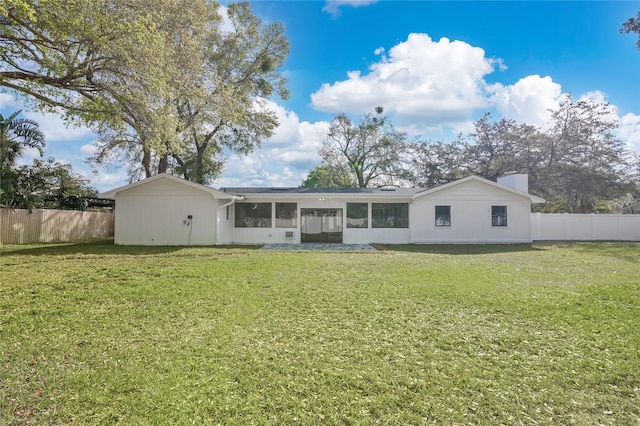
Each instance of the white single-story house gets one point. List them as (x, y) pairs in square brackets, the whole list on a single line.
[(167, 210)]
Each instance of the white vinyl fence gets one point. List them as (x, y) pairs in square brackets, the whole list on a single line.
[(586, 227), (18, 226)]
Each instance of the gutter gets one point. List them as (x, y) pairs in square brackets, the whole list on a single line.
[(234, 198)]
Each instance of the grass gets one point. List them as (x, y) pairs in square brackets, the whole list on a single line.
[(475, 335)]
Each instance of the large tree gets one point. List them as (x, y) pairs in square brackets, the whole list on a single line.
[(47, 185), (632, 25), (117, 64), (90, 56), (496, 148), (434, 163), (241, 69), (326, 176), (221, 108), (583, 161), (574, 161), (370, 148)]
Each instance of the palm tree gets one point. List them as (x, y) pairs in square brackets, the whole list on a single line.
[(17, 134)]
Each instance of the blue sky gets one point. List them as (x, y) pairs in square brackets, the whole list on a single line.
[(434, 66)]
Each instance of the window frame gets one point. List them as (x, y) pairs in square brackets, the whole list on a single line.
[(393, 221), (350, 207), (256, 221), (293, 220), (446, 222), (497, 217)]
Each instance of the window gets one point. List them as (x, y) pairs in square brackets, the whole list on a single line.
[(498, 215), (357, 215), (253, 215), (286, 215), (390, 215), (227, 213), (443, 216)]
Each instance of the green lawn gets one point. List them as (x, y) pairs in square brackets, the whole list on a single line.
[(443, 335)]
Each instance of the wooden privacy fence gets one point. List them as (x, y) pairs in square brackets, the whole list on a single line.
[(585, 227), (18, 226)]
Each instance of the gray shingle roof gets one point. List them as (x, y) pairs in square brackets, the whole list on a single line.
[(267, 190)]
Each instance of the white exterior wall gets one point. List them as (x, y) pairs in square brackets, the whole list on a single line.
[(470, 203), (585, 227), (224, 215), (349, 236), (154, 214), (381, 235)]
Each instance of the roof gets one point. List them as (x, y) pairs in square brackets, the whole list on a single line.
[(111, 194), (401, 192), (531, 197), (390, 192)]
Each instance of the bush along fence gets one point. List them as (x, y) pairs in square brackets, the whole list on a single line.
[(585, 227), (19, 226)]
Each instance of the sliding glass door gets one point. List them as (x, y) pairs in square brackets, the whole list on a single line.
[(321, 225)]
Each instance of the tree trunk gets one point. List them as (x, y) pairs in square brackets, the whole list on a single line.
[(146, 162), (163, 164), (198, 175)]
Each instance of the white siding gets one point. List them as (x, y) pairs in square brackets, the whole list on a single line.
[(471, 204), (225, 223), (155, 214)]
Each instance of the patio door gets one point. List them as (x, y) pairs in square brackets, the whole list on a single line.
[(321, 225)]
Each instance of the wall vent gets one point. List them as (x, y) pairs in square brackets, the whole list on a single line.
[(288, 234)]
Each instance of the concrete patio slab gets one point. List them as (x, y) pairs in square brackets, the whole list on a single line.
[(319, 247)]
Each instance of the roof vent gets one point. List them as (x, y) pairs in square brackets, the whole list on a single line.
[(388, 189)]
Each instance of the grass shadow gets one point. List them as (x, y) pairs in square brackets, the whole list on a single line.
[(457, 249), (628, 251), (103, 247)]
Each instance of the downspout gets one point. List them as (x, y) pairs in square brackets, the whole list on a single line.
[(234, 198)]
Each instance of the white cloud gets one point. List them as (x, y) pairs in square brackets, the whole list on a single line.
[(333, 6), (528, 100), (53, 126), (105, 181), (55, 129), (226, 25), (27, 156), (283, 160), (420, 81), (629, 131), (599, 97), (88, 149), (7, 100), (596, 96)]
